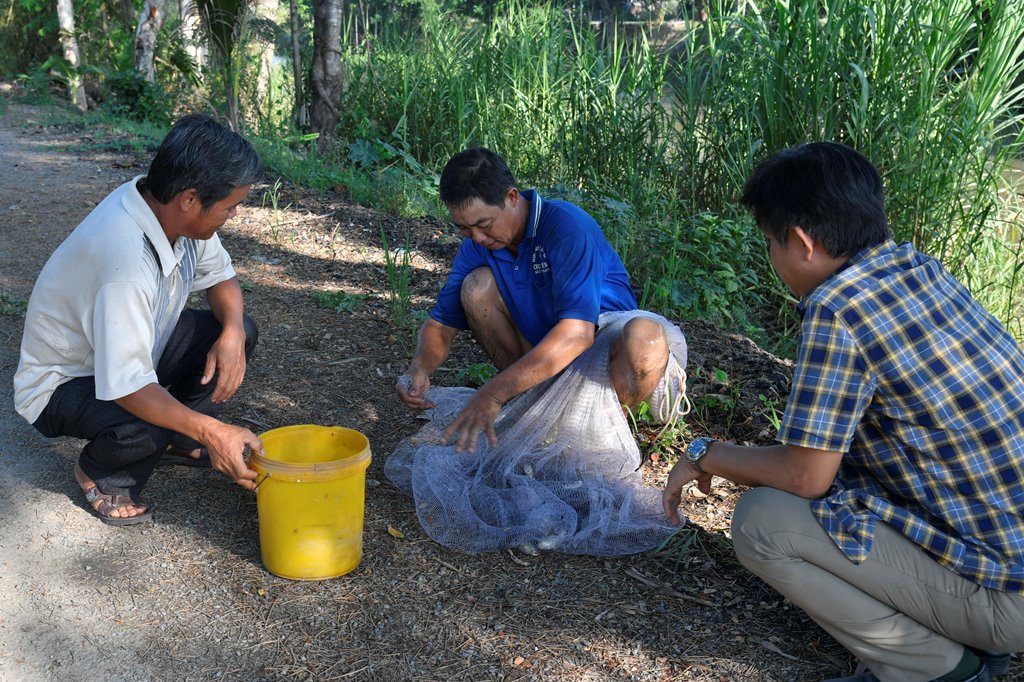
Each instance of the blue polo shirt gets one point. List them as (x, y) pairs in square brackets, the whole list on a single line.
[(565, 270)]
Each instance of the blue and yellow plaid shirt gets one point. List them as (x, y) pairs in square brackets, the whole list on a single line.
[(901, 369)]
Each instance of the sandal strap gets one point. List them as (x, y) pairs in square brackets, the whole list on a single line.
[(109, 503)]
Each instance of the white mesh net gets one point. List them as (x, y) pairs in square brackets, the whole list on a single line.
[(563, 475)]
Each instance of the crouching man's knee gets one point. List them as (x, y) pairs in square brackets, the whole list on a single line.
[(252, 334), (479, 290), (760, 515), (638, 359)]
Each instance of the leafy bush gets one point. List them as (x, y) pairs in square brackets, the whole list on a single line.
[(136, 98)]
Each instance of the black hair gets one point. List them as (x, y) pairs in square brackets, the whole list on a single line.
[(476, 173), (201, 154), (828, 189)]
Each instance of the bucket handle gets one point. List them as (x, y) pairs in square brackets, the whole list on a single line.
[(246, 453)]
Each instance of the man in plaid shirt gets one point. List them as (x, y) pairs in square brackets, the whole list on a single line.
[(892, 511)]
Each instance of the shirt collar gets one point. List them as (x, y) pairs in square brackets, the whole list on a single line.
[(143, 215), (865, 255), (533, 221)]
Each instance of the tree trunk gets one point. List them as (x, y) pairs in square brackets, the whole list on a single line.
[(127, 14), (150, 21), (191, 32), (326, 75), (66, 20), (264, 56), (299, 112)]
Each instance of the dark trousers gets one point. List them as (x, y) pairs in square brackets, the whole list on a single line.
[(123, 450)]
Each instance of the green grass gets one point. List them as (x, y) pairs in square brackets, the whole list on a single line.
[(106, 132), (338, 301)]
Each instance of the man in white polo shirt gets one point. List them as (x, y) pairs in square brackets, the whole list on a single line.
[(109, 352)]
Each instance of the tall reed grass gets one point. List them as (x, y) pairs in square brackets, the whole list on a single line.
[(657, 138)]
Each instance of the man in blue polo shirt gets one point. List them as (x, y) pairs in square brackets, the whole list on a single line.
[(531, 280), (891, 510)]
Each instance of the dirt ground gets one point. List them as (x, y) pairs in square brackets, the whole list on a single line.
[(187, 598)]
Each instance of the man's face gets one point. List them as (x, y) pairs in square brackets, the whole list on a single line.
[(785, 259), (492, 227), (202, 224), (802, 262)]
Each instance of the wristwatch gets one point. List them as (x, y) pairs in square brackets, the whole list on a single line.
[(696, 450)]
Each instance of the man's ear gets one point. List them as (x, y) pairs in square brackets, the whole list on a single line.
[(808, 244), (188, 199), (512, 197)]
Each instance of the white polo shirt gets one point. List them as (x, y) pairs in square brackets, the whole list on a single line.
[(107, 300)]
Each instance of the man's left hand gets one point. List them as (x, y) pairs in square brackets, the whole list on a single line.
[(682, 473), (476, 417), (226, 360)]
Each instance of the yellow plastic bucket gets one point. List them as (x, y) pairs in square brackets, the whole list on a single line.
[(310, 500)]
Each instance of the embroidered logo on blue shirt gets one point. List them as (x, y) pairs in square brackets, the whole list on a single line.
[(541, 267)]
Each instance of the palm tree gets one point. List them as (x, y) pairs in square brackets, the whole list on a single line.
[(225, 21)]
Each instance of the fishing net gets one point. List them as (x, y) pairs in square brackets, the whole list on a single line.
[(563, 476)]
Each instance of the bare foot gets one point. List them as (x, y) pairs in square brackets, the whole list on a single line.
[(123, 511), (196, 454)]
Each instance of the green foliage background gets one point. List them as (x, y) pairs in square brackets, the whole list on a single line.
[(651, 127)]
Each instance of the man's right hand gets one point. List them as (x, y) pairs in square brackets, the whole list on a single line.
[(226, 444), (412, 388)]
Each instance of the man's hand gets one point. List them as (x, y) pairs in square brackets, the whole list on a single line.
[(226, 359), (412, 388), (682, 473), (476, 417), (226, 444)]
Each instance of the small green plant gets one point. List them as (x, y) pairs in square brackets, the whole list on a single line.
[(712, 547), (273, 195), (12, 305), (477, 374), (677, 546), (338, 301), (721, 397), (655, 440), (245, 285), (399, 297), (771, 410)]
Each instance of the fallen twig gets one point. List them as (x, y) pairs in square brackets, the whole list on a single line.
[(665, 589)]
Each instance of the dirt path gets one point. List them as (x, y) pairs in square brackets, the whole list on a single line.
[(187, 598)]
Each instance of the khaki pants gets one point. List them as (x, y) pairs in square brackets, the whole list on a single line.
[(902, 614)]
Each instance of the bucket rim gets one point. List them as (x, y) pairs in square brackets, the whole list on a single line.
[(353, 461)]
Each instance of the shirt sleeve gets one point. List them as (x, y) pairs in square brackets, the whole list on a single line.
[(213, 264), (832, 385), (448, 309), (577, 273), (122, 340)]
